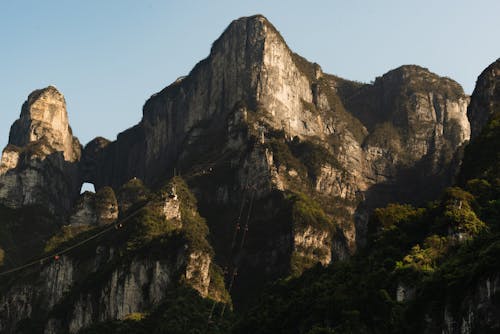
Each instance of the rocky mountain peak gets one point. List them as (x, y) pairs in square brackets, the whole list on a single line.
[(44, 118), (38, 166), (420, 78), (412, 97), (247, 28), (485, 99), (255, 139)]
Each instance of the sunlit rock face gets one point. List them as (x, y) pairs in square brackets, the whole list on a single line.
[(418, 126), (248, 126), (135, 286), (397, 139), (44, 117), (39, 164)]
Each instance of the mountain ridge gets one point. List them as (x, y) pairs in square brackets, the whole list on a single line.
[(271, 154)]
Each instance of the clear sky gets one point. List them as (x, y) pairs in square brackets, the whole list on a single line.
[(108, 56)]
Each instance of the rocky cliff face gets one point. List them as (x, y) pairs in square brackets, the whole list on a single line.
[(286, 163), (485, 98), (129, 270), (477, 312), (418, 125), (91, 209), (44, 116), (39, 166), (69, 295), (241, 108)]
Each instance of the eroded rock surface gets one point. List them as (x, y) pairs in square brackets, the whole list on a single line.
[(39, 165), (485, 98), (251, 126), (238, 120)]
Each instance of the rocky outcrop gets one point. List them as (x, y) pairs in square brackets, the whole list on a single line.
[(476, 312), (198, 272), (126, 270), (405, 292), (131, 193), (39, 164), (414, 116), (172, 206), (44, 116), (250, 125), (485, 99), (106, 206), (249, 65), (313, 245), (65, 288), (417, 125), (84, 212), (100, 208), (394, 140)]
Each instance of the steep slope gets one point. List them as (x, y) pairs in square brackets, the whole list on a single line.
[(39, 165), (418, 125), (39, 176), (284, 161), (483, 158), (428, 270), (158, 247), (255, 115), (484, 101)]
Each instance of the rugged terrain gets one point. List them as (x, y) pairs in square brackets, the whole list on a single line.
[(254, 167)]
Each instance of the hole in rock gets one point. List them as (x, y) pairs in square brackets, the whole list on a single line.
[(87, 187)]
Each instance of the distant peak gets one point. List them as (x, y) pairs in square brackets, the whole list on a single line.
[(492, 70), (97, 143), (409, 70), (422, 78), (50, 90), (252, 18), (248, 27), (246, 22)]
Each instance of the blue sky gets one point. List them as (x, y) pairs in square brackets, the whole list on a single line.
[(107, 57)]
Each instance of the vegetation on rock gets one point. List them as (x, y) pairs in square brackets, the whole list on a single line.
[(440, 252), (18, 244)]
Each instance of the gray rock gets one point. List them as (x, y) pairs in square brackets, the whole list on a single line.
[(485, 98), (395, 140), (39, 166)]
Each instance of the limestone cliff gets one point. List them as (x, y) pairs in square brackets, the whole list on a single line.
[(485, 98), (271, 120), (39, 166), (477, 312), (91, 209), (417, 125), (72, 294), (286, 163), (129, 270)]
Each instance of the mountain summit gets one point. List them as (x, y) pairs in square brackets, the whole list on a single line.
[(39, 165)]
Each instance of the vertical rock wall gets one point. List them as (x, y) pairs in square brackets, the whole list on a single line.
[(39, 165)]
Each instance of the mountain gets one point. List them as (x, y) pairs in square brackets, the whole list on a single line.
[(432, 269), (277, 122), (254, 167)]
